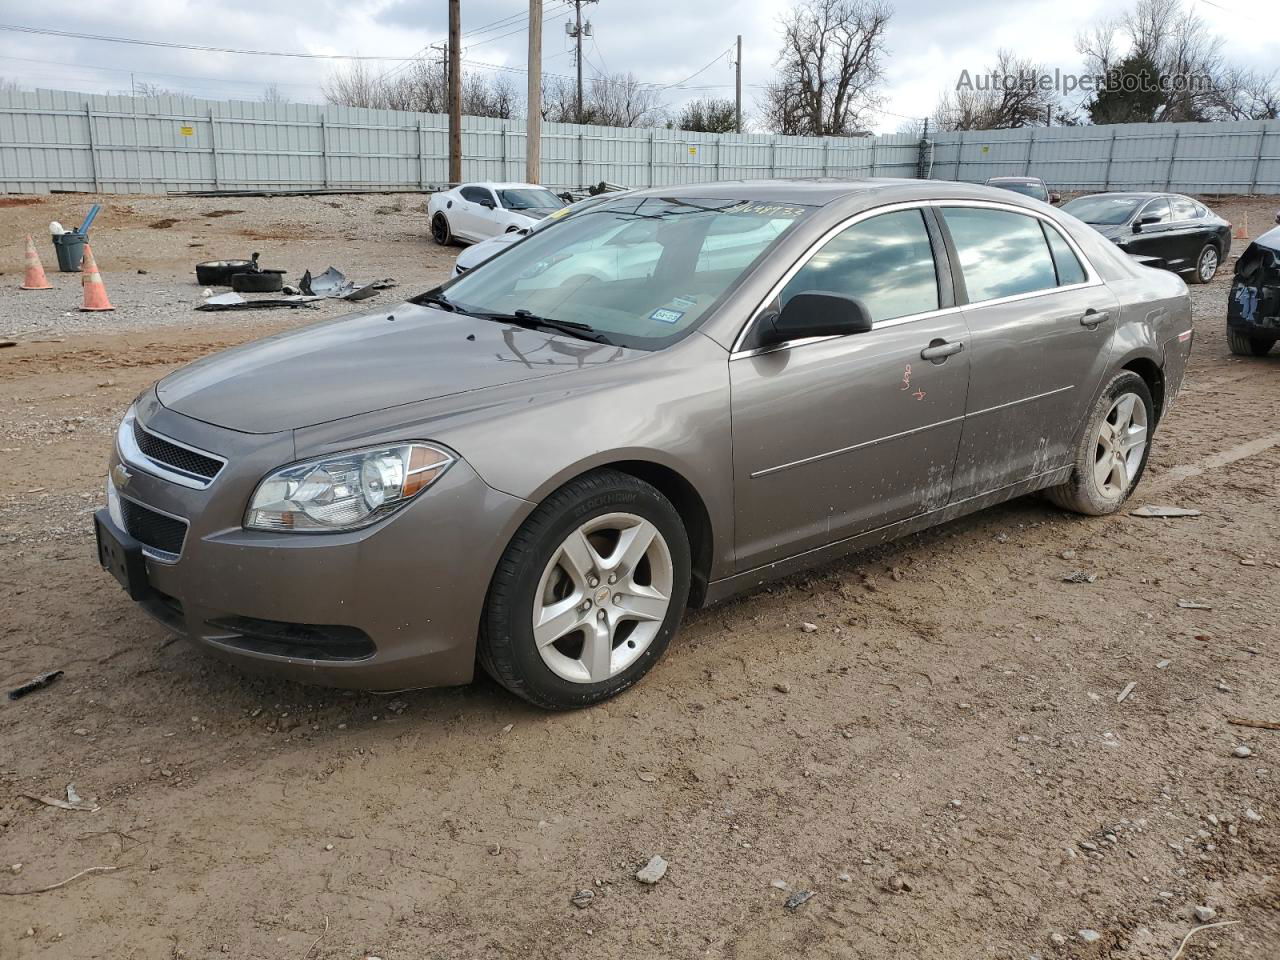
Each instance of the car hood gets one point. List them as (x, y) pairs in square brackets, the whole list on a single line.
[(363, 363), (537, 213), (482, 251)]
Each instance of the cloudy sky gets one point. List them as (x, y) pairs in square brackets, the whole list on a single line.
[(660, 41)]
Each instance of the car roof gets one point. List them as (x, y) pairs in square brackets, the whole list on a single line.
[(1135, 194), (500, 185), (820, 191), (1014, 180)]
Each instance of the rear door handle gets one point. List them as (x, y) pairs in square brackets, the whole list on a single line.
[(938, 350), (1091, 317)]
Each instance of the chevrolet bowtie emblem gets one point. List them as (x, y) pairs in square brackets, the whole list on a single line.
[(120, 476)]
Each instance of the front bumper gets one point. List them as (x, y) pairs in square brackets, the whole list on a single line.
[(393, 606)]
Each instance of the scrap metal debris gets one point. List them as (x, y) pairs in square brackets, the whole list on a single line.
[(333, 284), (73, 802), (233, 301), (34, 684), (1128, 689), (61, 883), (1193, 605), (1079, 576), (1152, 511), (796, 899)]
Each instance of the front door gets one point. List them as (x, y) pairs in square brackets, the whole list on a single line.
[(1041, 329), (836, 436)]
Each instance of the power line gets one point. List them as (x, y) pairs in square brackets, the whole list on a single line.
[(172, 45), (694, 74)]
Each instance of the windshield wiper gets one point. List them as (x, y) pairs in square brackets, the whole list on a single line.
[(531, 321), (436, 300)]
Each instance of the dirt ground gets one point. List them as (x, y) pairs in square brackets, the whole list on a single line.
[(946, 763)]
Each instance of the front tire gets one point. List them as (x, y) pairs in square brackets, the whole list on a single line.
[(441, 232), (588, 594), (1207, 263), (1112, 452), (1243, 345)]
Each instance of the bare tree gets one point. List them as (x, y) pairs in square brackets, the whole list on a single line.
[(1173, 41), (1008, 95), (143, 88), (272, 93), (614, 100), (708, 115), (9, 86), (420, 86), (829, 69), (1250, 95)]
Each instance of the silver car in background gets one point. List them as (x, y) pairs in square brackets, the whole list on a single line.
[(670, 398)]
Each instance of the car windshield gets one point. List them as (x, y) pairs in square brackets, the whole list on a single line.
[(639, 272), (1103, 209), (519, 199), (1035, 190)]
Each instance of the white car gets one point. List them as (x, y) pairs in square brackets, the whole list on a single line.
[(477, 211), (480, 252)]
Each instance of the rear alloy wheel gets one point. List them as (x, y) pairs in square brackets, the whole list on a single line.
[(440, 231), (589, 593), (1206, 264), (1243, 345), (1112, 452)]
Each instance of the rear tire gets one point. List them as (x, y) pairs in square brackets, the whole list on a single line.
[(1207, 263), (1243, 345), (441, 233), (593, 565), (1109, 462)]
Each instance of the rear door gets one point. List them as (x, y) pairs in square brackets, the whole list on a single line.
[(1188, 226), (838, 435), (1041, 325)]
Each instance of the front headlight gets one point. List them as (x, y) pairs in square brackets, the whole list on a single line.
[(345, 491)]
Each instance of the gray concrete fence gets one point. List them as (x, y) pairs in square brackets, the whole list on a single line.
[(53, 140)]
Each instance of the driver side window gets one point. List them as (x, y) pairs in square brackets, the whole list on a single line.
[(1156, 208), (885, 261), (476, 194)]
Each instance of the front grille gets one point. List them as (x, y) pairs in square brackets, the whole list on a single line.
[(172, 455), (152, 529)]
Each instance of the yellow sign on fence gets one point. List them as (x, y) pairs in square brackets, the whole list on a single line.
[(187, 131)]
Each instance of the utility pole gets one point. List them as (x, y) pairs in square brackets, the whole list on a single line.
[(455, 91), (576, 31), (533, 122), (737, 85)]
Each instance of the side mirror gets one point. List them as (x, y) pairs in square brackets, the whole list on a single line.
[(488, 204), (1055, 198), (1146, 221), (817, 314)]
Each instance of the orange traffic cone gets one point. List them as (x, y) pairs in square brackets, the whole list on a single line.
[(95, 294), (1242, 233), (35, 278)]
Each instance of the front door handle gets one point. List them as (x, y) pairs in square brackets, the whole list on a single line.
[(1091, 317), (938, 350)]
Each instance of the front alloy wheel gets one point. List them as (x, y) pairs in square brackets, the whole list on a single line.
[(603, 598), (588, 594)]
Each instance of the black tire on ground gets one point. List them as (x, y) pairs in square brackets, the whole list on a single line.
[(217, 273), (440, 231), (1197, 273), (507, 651), (1243, 345), (1080, 493), (268, 281)]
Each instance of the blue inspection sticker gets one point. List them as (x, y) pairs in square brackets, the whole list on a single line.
[(666, 316)]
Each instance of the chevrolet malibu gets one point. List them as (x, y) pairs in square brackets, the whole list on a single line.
[(538, 468)]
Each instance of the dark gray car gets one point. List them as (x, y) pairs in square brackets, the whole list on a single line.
[(539, 467)]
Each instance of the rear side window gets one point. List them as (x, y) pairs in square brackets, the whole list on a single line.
[(1183, 209), (885, 261), (1065, 260), (1002, 254), (1156, 208)]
